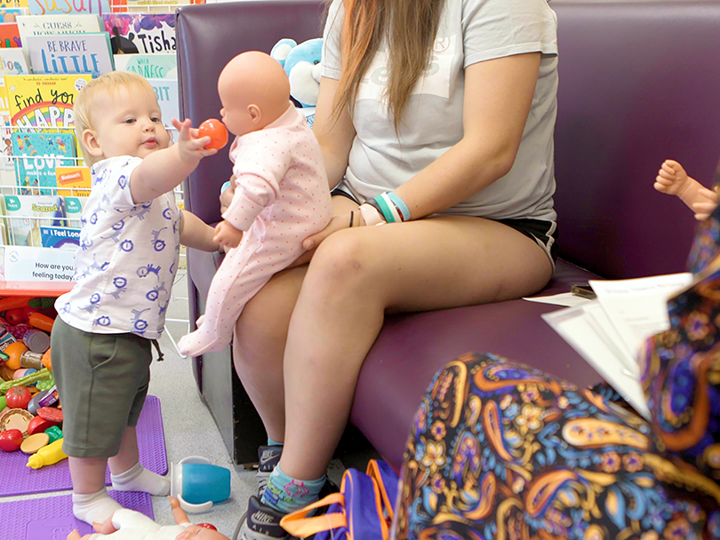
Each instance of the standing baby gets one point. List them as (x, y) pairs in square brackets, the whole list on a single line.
[(281, 197), (131, 231)]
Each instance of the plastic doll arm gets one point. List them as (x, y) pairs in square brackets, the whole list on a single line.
[(673, 180), (165, 169), (226, 235), (252, 195), (195, 233), (178, 513)]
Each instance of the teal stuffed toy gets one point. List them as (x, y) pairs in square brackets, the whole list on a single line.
[(302, 65)]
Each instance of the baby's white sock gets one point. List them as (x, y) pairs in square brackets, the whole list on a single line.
[(94, 507), (139, 479)]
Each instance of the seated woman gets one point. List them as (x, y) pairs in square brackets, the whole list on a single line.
[(435, 119)]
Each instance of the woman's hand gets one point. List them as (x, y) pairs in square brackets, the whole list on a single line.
[(337, 223), (226, 196)]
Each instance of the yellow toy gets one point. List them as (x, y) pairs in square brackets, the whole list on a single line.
[(47, 455)]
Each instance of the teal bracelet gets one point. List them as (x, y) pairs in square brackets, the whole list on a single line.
[(385, 209), (400, 205), (376, 206)]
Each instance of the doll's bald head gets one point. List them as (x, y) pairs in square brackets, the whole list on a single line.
[(254, 91)]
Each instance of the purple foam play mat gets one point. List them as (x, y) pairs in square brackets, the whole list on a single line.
[(18, 479), (51, 518)]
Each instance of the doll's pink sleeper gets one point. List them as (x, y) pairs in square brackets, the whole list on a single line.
[(282, 197)]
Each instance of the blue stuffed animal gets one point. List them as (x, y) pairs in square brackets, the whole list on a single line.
[(302, 65)]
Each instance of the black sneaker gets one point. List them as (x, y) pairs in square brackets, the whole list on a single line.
[(261, 522), (268, 458)]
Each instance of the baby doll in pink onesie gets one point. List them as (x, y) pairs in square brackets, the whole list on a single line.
[(281, 196), (127, 524)]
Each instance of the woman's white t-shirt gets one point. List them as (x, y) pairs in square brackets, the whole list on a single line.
[(470, 31)]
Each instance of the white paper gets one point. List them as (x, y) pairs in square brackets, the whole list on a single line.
[(38, 264), (563, 299), (578, 329), (638, 307)]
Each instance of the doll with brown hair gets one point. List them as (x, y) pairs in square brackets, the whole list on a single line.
[(281, 193), (127, 524), (673, 180)]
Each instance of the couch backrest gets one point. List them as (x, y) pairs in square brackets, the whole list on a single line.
[(208, 36), (639, 83)]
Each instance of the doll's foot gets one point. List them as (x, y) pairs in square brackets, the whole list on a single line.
[(199, 342)]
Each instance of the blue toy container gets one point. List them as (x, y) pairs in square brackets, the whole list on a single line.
[(202, 483), (197, 484)]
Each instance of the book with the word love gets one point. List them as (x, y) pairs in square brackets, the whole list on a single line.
[(37, 155)]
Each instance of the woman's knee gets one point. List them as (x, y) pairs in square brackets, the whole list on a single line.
[(342, 262)]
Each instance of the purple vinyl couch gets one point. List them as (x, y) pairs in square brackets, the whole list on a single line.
[(639, 83)]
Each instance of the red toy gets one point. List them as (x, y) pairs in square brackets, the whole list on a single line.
[(39, 425), (216, 130), (18, 397), (15, 316), (10, 440), (51, 414)]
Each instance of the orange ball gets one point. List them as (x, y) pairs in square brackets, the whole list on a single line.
[(217, 132), (14, 351)]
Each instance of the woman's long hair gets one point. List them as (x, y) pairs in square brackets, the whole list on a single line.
[(410, 26)]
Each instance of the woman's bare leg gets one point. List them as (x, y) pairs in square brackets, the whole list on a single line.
[(358, 274), (260, 337)]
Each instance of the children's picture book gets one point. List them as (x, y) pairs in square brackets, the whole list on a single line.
[(168, 98), (70, 53), (36, 157), (10, 14), (148, 6), (13, 62), (43, 101), (9, 35), (150, 66), (60, 238), (66, 7), (144, 33), (15, 4), (74, 180), (53, 25), (25, 214)]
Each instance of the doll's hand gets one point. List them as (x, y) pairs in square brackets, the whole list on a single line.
[(672, 178), (708, 201), (191, 147), (226, 196), (226, 235)]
